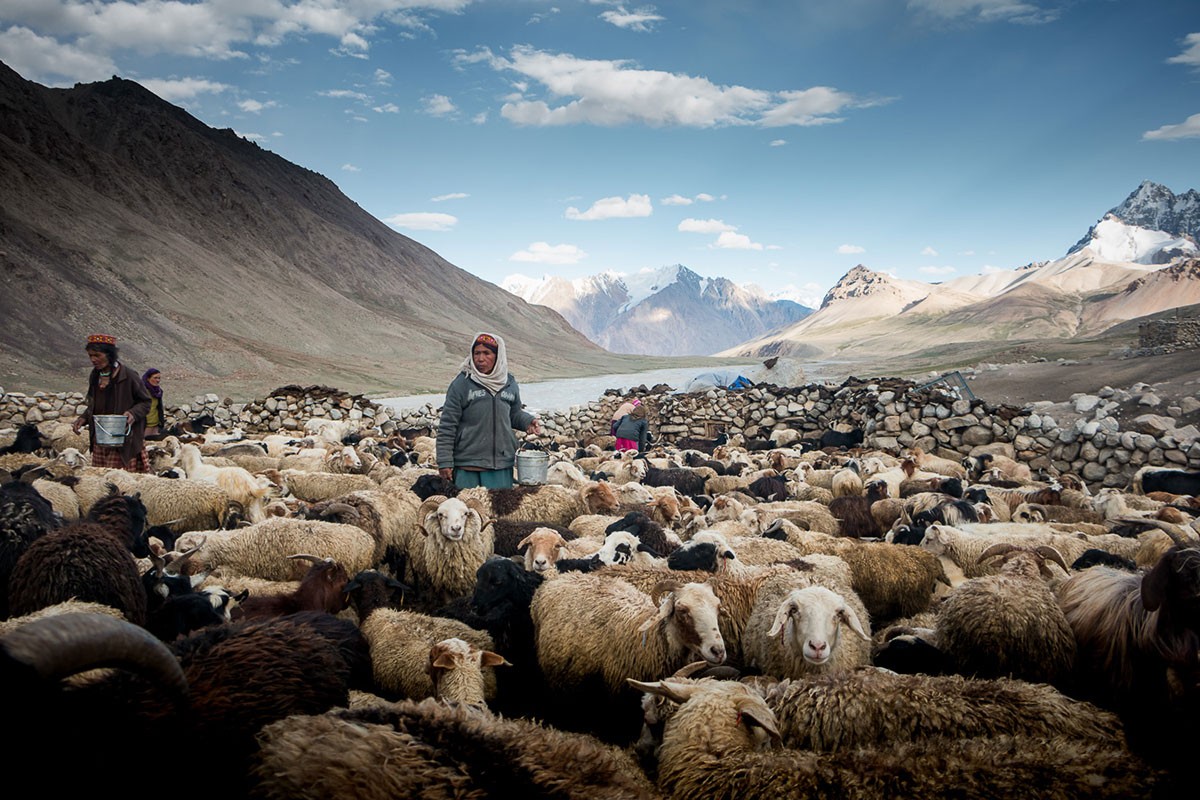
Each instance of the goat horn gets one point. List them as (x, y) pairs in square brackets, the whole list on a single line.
[(1051, 554), (998, 549), (182, 558), (339, 508), (308, 557), (173, 522)]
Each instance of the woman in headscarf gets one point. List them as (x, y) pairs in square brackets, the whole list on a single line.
[(156, 416), (115, 389), (475, 441), (621, 412)]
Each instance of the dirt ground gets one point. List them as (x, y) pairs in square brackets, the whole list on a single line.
[(1172, 377)]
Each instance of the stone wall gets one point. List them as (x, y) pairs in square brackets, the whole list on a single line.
[(1169, 334), (893, 413)]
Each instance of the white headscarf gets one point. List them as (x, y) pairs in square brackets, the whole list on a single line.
[(499, 376)]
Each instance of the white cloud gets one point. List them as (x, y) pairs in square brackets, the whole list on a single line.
[(423, 221), (383, 77), (778, 142), (351, 168), (937, 270), (641, 19), (212, 28), (736, 241), (437, 105), (180, 89), (480, 118), (617, 92), (42, 59), (451, 196), (967, 253), (815, 106), (1191, 51), (929, 251), (254, 137), (386, 108), (253, 106), (988, 269), (676, 200), (636, 205), (344, 94), (545, 253), (851, 249), (1188, 129), (987, 10), (704, 198), (691, 225)]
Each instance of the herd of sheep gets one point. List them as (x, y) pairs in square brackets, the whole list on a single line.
[(324, 617)]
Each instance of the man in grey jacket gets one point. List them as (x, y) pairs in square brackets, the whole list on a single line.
[(475, 441)]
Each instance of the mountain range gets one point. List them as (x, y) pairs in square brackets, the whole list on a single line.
[(670, 311), (1139, 259), (222, 264)]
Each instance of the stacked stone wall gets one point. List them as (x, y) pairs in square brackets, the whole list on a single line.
[(1170, 334), (893, 413)]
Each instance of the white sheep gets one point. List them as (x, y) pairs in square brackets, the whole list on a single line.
[(453, 542), (588, 626), (261, 550), (803, 633), (236, 482)]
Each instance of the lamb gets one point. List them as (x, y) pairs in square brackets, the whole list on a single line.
[(456, 671), (710, 746), (401, 641), (261, 550), (236, 482), (1008, 624), (1008, 468), (932, 463)]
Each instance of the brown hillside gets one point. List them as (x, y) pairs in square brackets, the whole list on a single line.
[(222, 263)]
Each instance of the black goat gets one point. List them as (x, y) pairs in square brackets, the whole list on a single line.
[(430, 484), (25, 516), (703, 445), (1174, 481), (29, 440), (323, 588), (841, 440), (769, 487), (685, 481)]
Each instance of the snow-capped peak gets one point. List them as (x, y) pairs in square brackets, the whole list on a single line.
[(1117, 241)]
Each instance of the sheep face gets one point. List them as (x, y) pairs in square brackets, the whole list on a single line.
[(688, 615), (543, 549), (450, 519), (811, 620)]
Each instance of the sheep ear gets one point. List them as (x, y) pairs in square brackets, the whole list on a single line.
[(753, 715), (442, 660), (789, 608), (671, 690), (524, 542), (489, 659), (850, 618)]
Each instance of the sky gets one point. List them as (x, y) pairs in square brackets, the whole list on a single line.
[(774, 142)]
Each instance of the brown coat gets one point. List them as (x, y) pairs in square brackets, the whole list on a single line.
[(125, 392)]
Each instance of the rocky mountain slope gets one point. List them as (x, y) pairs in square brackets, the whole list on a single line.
[(221, 263), (1120, 271), (670, 311)]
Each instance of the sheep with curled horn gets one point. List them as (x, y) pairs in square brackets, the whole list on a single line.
[(452, 538), (1009, 624)]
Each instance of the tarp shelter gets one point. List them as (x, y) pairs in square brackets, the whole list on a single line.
[(728, 379)]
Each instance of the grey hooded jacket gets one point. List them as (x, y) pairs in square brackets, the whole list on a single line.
[(476, 427)]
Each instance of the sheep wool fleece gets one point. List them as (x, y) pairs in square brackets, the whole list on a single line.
[(476, 426)]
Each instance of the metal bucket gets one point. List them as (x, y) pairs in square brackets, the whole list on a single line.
[(110, 429), (531, 467)]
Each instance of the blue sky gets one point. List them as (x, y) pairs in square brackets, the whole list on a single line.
[(778, 143)]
